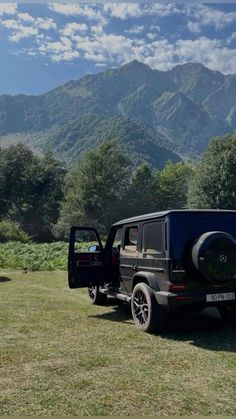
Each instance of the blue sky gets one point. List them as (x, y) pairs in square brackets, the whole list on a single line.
[(45, 45)]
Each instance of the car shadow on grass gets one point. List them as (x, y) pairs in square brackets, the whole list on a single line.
[(120, 312), (205, 330), (4, 279)]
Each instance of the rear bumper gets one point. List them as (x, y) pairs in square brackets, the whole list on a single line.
[(174, 300)]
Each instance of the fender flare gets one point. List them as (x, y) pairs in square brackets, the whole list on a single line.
[(149, 277)]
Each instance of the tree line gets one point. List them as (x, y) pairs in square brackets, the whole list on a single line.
[(44, 199)]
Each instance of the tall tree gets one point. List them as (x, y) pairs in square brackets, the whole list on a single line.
[(30, 189), (94, 189), (143, 195), (174, 180), (214, 182)]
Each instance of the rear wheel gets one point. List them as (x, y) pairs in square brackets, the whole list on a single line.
[(96, 297), (147, 315)]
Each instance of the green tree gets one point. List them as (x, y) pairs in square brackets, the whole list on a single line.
[(144, 192), (94, 189), (174, 180), (214, 182), (47, 194), (30, 190)]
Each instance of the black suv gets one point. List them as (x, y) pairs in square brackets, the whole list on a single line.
[(160, 262)]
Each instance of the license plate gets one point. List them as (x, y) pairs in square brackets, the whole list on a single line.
[(224, 296)]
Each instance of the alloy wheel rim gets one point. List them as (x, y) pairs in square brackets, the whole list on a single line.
[(141, 309), (92, 292)]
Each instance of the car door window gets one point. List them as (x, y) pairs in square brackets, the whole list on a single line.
[(117, 240), (131, 239), (85, 240)]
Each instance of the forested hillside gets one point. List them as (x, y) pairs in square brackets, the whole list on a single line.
[(40, 200), (179, 110)]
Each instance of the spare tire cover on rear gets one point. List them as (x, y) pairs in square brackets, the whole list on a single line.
[(214, 255)]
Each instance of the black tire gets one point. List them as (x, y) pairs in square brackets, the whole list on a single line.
[(228, 313), (147, 315), (96, 297)]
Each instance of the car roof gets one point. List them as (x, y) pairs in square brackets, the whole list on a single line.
[(162, 214)]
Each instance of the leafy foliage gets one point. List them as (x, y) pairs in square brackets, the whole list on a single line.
[(143, 195), (34, 256), (12, 231), (174, 180), (214, 181), (94, 189), (103, 189), (30, 189)]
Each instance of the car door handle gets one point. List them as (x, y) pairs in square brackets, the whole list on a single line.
[(134, 268)]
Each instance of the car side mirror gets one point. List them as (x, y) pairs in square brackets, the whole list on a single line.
[(94, 248)]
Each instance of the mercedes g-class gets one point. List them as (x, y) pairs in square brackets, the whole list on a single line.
[(160, 262)]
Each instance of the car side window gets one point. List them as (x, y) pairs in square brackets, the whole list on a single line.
[(131, 239), (117, 239), (153, 237)]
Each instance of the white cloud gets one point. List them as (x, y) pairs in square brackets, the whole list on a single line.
[(66, 9), (10, 24), (210, 52), (134, 10), (71, 28), (107, 47), (102, 65), (202, 16), (87, 11), (123, 10), (25, 17), (231, 38), (8, 9), (151, 36), (45, 23), (24, 26), (57, 51), (97, 29), (194, 27), (135, 29), (155, 28), (23, 32), (86, 36), (66, 56), (162, 9)]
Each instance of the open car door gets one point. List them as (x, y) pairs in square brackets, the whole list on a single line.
[(86, 258)]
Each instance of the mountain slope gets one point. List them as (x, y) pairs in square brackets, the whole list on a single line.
[(180, 109), (90, 130)]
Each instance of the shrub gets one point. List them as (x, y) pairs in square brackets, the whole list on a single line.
[(11, 231)]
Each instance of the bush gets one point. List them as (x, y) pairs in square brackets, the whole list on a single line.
[(11, 231), (34, 256)]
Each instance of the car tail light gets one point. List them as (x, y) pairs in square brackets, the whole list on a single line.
[(177, 287), (183, 297)]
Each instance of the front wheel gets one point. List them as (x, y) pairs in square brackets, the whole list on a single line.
[(96, 297), (147, 315)]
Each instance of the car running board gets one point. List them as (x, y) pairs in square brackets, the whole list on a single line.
[(116, 294)]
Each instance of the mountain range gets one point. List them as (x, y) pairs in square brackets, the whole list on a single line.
[(155, 115)]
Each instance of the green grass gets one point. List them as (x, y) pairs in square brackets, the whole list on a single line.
[(62, 356)]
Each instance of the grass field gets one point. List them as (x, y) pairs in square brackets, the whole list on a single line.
[(60, 355)]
